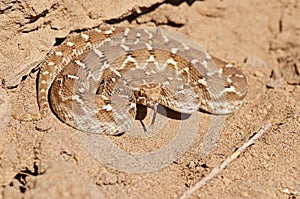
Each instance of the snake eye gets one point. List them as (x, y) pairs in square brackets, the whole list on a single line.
[(59, 81)]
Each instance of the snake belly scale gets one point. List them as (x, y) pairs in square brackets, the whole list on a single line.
[(94, 79)]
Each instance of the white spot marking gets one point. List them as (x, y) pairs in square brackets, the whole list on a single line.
[(239, 75), (203, 82), (59, 53), (186, 69), (70, 44), (230, 89), (166, 83), (204, 63), (104, 97), (90, 74), (153, 72), (123, 40), (149, 47), (144, 81), (107, 32), (129, 59), (136, 41), (45, 72), (81, 89), (85, 36), (65, 60), (211, 73), (74, 52), (79, 63), (171, 61), (228, 65), (148, 73), (207, 56), (107, 107), (194, 61), (72, 77), (157, 65), (174, 50), (43, 82), (116, 72), (98, 52), (88, 44), (105, 65), (150, 35), (126, 32), (126, 48), (229, 79), (77, 99), (51, 63), (166, 39), (220, 71), (151, 59), (186, 47)]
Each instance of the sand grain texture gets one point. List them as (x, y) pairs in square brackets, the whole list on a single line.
[(262, 37)]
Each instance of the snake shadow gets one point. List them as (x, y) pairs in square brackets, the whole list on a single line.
[(162, 110), (141, 114)]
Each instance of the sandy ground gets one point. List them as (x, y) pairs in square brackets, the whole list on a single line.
[(48, 159)]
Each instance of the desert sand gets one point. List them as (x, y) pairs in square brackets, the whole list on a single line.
[(48, 159)]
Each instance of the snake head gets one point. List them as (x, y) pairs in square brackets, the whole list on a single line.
[(149, 94)]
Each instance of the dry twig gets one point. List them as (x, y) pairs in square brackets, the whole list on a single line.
[(218, 169)]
